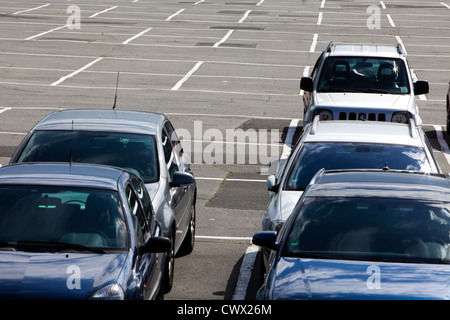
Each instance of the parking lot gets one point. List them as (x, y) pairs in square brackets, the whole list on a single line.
[(222, 70)]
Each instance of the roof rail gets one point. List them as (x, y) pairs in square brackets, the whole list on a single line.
[(400, 49), (330, 45), (315, 124), (412, 128)]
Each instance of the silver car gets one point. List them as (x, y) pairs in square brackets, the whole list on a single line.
[(344, 145), (142, 142), (362, 82)]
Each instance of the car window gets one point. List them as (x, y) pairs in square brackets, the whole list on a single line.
[(378, 229), (146, 202), (315, 156), (362, 74), (134, 152), (169, 154), (137, 215), (83, 216)]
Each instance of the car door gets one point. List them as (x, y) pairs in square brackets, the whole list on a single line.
[(148, 267), (179, 197)]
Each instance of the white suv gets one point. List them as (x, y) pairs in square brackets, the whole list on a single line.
[(362, 82)]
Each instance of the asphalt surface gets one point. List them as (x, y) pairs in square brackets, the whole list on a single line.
[(227, 74)]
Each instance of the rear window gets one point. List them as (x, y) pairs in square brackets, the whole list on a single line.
[(135, 152), (315, 156)]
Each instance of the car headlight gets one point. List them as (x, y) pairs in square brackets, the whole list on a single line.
[(401, 117), (112, 292), (323, 114)]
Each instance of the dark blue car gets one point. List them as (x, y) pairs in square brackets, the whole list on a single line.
[(72, 231), (363, 235)]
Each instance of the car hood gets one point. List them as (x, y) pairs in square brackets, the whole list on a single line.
[(376, 101), (296, 278), (25, 275)]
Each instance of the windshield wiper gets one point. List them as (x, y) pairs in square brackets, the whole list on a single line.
[(60, 245)]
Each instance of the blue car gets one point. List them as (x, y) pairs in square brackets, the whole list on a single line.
[(75, 231), (359, 234)]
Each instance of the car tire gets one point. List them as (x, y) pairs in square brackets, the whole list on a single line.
[(188, 243), (169, 267)]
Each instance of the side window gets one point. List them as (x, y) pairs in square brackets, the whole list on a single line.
[(169, 155), (144, 197), (139, 223)]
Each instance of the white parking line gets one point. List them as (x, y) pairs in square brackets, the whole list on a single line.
[(45, 32), (174, 15), (4, 109), (444, 146), (319, 19), (232, 180), (314, 43), (28, 10), (223, 39), (76, 71), (287, 147), (399, 40), (245, 273), (382, 5), (187, 76), (390, 20), (136, 36), (245, 16), (106, 10), (445, 5), (322, 4)]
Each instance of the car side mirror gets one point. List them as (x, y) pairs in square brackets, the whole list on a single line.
[(421, 87), (181, 179), (156, 245), (266, 239), (306, 84), (272, 183)]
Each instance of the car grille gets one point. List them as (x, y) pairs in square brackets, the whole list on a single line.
[(362, 116)]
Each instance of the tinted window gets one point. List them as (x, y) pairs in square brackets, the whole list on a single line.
[(315, 156), (131, 151), (88, 217), (371, 229), (359, 74)]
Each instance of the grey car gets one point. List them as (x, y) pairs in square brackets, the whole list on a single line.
[(344, 144), (141, 142)]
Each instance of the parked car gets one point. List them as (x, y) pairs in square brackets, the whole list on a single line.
[(75, 231), (362, 82), (143, 142), (363, 235), (344, 145), (448, 109)]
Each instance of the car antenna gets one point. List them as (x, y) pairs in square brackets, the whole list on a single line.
[(115, 96)]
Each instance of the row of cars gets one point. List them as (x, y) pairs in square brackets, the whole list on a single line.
[(95, 204), (360, 209)]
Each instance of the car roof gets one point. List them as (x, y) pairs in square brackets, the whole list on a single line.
[(364, 132), (61, 174), (365, 50), (103, 120), (381, 184)]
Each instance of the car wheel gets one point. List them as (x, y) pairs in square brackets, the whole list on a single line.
[(188, 242), (170, 265)]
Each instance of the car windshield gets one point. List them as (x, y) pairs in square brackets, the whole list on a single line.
[(43, 217), (135, 152), (360, 74), (374, 229), (315, 156)]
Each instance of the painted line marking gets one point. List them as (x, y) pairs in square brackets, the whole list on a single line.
[(390, 20), (445, 5), (314, 43), (232, 180), (319, 19), (223, 39), (399, 40), (28, 10), (382, 5), (5, 109), (245, 272), (136, 36), (174, 15), (245, 16), (106, 10), (444, 146), (76, 72), (260, 2), (45, 32), (187, 76), (322, 4), (198, 2)]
